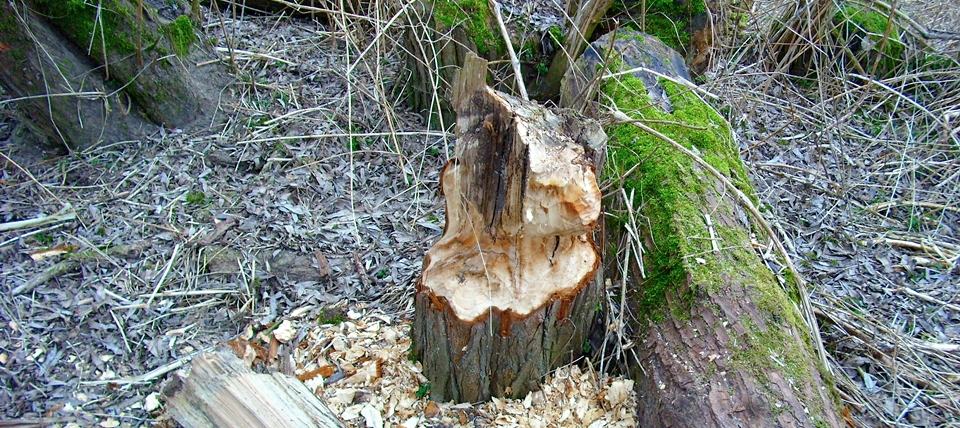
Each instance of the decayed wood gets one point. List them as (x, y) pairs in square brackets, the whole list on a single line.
[(508, 291), (221, 391)]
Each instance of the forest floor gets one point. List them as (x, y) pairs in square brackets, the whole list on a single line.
[(315, 198)]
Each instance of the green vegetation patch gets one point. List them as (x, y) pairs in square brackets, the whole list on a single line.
[(865, 32), (668, 20), (671, 193), (663, 185), (91, 26), (182, 35), (476, 19)]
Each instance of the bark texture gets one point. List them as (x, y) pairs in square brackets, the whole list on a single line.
[(439, 36), (219, 390), (508, 292), (90, 72), (719, 343)]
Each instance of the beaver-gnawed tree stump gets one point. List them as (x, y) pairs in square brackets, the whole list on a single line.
[(508, 291)]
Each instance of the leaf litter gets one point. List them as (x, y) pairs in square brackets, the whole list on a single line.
[(318, 194)]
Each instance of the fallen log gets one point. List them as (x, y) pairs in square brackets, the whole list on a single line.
[(718, 340)]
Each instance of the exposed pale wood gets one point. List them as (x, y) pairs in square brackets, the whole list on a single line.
[(508, 292), (221, 391)]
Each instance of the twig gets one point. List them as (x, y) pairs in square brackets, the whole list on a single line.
[(163, 277), (924, 297), (65, 214), (517, 75), (931, 205), (70, 264), (152, 374), (681, 82), (51, 273)]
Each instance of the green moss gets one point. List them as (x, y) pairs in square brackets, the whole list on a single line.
[(196, 198), (669, 21), (11, 35), (863, 31), (476, 19), (331, 316), (80, 21), (680, 264), (182, 35), (556, 35), (665, 184)]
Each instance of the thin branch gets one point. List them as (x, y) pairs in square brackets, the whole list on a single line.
[(65, 214), (517, 75)]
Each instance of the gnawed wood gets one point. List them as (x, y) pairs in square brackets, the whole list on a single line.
[(507, 292), (220, 390)]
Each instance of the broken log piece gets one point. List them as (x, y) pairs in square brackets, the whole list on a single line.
[(508, 291), (220, 390)]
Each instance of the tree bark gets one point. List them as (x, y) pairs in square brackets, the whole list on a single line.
[(586, 15), (86, 72), (58, 96), (439, 36), (508, 292), (718, 341)]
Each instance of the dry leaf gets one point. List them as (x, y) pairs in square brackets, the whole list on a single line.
[(432, 410)]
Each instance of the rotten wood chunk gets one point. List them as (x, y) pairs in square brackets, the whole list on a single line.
[(507, 292)]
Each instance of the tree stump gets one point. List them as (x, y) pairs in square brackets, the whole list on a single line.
[(508, 291)]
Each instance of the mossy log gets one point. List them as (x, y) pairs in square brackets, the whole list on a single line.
[(719, 342), (59, 97), (586, 15), (102, 71), (508, 292)]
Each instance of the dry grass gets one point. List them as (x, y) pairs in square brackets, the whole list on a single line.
[(857, 170), (873, 166)]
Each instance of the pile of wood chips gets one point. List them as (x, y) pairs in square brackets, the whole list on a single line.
[(361, 369)]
